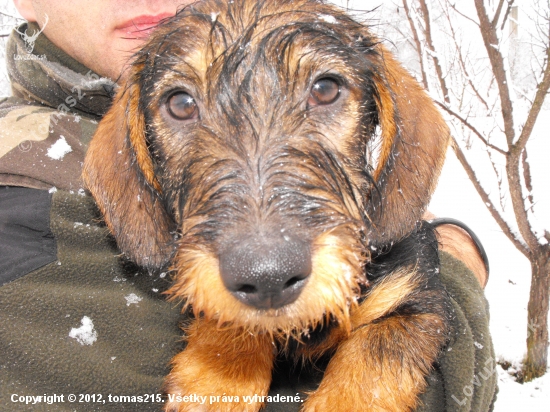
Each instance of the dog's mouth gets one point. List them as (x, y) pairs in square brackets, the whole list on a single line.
[(284, 287)]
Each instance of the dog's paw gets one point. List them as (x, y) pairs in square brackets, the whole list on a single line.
[(185, 401), (212, 375), (179, 400), (192, 390), (342, 396)]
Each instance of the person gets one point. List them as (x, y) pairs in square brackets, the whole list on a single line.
[(81, 327)]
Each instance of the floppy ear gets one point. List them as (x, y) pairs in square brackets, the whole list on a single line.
[(414, 140), (118, 171)]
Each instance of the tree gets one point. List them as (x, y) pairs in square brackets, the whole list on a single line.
[(492, 96)]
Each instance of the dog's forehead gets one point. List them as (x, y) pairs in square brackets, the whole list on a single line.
[(244, 37)]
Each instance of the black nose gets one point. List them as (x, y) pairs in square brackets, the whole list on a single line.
[(266, 271)]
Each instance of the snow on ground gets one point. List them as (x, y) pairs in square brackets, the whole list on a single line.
[(532, 397)]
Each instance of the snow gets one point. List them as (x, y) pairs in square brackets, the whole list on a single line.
[(532, 396), (132, 299), (328, 18), (59, 149), (507, 290), (508, 287), (85, 334)]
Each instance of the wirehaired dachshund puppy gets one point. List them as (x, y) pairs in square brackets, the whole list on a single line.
[(278, 160)]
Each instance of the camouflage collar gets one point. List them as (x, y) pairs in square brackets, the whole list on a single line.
[(39, 71), (45, 127)]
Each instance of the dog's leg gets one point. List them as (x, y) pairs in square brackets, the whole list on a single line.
[(220, 367), (381, 367), (397, 333)]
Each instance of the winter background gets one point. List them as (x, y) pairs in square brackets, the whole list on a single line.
[(508, 287)]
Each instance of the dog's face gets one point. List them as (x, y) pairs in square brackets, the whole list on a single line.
[(264, 148)]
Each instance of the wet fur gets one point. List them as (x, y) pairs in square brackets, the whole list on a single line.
[(352, 178)]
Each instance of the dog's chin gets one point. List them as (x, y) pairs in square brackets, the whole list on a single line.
[(329, 295), (290, 321)]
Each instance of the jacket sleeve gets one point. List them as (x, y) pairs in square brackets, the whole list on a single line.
[(465, 377), (26, 241)]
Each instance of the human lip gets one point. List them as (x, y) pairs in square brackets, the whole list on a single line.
[(140, 26)]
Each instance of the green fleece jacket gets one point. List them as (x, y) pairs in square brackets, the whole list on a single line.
[(76, 319)]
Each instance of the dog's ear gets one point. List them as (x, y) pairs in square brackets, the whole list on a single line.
[(118, 171), (412, 147)]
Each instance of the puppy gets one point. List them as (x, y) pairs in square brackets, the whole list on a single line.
[(277, 159)]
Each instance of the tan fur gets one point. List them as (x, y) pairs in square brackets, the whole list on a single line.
[(382, 300), (136, 126), (232, 359), (126, 202), (199, 281), (380, 358), (421, 140), (380, 367)]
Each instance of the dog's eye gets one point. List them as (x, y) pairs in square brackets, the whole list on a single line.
[(324, 91), (182, 106)]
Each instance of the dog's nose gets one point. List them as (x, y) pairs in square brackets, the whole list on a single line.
[(266, 271)]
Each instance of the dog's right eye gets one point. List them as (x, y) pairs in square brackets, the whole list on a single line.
[(324, 91), (182, 106)]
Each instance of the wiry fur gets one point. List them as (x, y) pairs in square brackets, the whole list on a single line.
[(351, 179)]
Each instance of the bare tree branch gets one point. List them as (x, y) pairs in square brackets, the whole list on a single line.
[(485, 198), (508, 9), (418, 45), (490, 39), (497, 13), (10, 16), (431, 49), (461, 59), (471, 128), (527, 178), (453, 6), (518, 202), (542, 91)]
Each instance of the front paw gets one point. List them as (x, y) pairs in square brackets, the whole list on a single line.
[(190, 389), (220, 371), (381, 367)]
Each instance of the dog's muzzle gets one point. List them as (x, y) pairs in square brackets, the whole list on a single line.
[(266, 271)]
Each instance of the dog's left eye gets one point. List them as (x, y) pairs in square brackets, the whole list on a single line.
[(324, 91), (182, 106)]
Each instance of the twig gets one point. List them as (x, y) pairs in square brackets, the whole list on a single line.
[(485, 198), (463, 15), (418, 45), (497, 13), (462, 61), (472, 128), (540, 96), (431, 49)]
